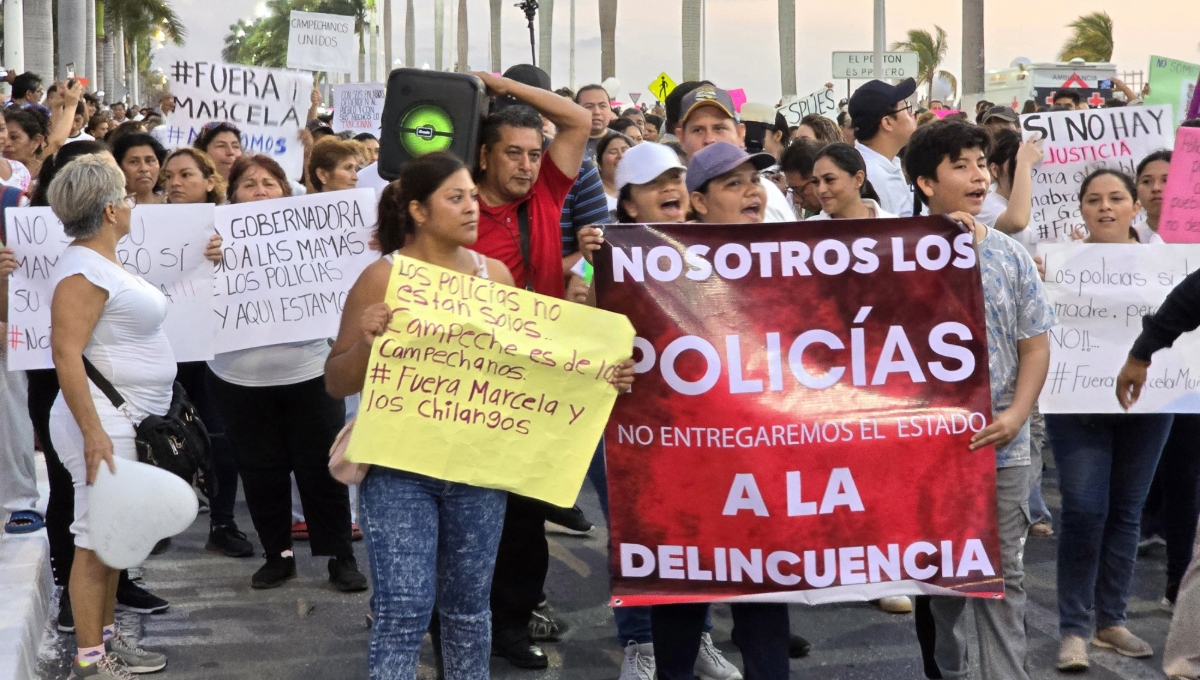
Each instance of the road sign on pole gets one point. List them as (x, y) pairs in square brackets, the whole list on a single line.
[(661, 86), (862, 65)]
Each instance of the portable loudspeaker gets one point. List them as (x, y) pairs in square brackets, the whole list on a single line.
[(428, 111)]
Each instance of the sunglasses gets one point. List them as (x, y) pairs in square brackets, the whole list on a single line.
[(221, 125)]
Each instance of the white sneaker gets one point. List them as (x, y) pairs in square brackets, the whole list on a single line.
[(711, 664), (639, 662), (895, 605)]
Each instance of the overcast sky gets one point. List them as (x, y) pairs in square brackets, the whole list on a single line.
[(743, 48)]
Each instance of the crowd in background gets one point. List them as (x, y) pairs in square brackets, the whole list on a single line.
[(468, 565)]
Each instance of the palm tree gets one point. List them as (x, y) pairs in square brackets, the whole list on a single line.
[(1092, 39), (608, 35), (787, 46), (439, 32), (39, 37), (931, 50), (133, 22), (410, 35), (691, 39), (972, 49), (72, 37)]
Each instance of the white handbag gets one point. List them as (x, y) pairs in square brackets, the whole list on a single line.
[(341, 469)]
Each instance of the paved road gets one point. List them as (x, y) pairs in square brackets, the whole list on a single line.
[(220, 629)]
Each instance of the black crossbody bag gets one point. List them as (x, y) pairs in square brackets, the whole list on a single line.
[(177, 442)]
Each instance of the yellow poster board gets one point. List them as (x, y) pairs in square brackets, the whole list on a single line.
[(661, 86), (488, 385)]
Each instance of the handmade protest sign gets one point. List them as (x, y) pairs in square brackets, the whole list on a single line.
[(488, 385), (165, 246), (1100, 293), (322, 42), (287, 265), (1172, 82), (1078, 142), (820, 101), (267, 105), (786, 380), (1180, 218), (358, 108)]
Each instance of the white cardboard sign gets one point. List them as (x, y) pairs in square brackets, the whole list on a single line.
[(1100, 293), (1078, 142), (288, 265), (358, 108), (821, 101), (267, 105), (322, 42), (165, 246)]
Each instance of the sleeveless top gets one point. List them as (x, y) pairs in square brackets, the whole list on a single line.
[(481, 270)]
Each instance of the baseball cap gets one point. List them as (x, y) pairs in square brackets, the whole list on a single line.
[(643, 164), (1004, 113), (719, 158), (526, 74), (706, 95), (877, 99)]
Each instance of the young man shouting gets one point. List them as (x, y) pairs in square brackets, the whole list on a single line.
[(947, 161)]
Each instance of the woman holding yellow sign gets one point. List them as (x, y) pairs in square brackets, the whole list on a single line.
[(432, 541)]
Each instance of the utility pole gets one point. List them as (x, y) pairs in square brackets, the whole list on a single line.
[(972, 48), (880, 36)]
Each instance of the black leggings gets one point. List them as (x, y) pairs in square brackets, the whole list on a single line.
[(60, 507), (1174, 498), (279, 430), (192, 375)]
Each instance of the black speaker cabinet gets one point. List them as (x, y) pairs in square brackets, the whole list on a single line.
[(427, 111)]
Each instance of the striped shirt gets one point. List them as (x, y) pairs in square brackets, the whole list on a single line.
[(585, 205)]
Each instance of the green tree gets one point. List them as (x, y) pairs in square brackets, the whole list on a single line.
[(931, 51), (1091, 40), (263, 42)]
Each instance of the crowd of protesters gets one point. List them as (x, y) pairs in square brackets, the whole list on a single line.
[(468, 565)]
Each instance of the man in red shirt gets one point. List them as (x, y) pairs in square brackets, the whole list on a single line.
[(514, 179), (521, 189)]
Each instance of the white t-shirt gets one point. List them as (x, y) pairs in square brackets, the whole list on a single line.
[(81, 137), (886, 175), (994, 206), (128, 345), (876, 212), (286, 364), (1144, 233), (779, 208)]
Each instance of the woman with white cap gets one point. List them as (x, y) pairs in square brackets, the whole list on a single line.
[(650, 189)]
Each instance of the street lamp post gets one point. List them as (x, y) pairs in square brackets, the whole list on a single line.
[(880, 35)]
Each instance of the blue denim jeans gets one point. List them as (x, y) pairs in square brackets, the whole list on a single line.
[(1105, 466), (633, 623), (430, 542)]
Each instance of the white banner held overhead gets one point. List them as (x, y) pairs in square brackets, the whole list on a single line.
[(1078, 142), (358, 108), (1100, 293), (267, 105), (822, 102), (322, 42), (165, 246), (288, 264)]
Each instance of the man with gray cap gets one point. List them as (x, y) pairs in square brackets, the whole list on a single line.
[(706, 117), (883, 122), (999, 118)]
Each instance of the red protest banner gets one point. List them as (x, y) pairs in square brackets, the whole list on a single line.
[(799, 426)]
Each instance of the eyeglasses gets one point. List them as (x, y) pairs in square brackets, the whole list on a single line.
[(130, 200), (907, 107)]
